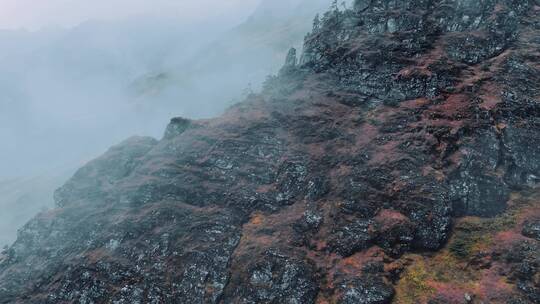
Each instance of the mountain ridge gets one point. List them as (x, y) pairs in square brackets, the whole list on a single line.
[(397, 162)]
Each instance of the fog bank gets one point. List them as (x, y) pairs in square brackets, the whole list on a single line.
[(97, 74)]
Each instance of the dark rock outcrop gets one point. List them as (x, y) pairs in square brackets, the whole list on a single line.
[(399, 117), (366, 290), (532, 229), (176, 127)]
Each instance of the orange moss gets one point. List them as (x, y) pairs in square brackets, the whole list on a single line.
[(257, 219), (321, 299), (448, 275), (442, 276), (493, 287), (490, 96), (354, 263), (387, 215), (413, 287)]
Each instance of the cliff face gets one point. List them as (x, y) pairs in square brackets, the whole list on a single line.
[(398, 161)]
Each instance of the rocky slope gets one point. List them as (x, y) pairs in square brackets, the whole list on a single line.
[(396, 161), (22, 199)]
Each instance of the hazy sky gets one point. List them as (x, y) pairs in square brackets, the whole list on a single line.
[(34, 14)]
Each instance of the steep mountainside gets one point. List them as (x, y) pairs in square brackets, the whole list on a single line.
[(64, 99), (396, 161), (22, 199), (239, 59)]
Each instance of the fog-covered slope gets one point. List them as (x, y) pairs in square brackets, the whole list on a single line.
[(68, 94), (64, 100), (94, 84), (395, 161), (235, 63), (22, 199), (64, 90)]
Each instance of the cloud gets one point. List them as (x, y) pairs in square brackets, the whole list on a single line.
[(35, 14)]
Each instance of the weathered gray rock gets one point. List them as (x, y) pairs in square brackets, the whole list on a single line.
[(366, 290), (532, 229)]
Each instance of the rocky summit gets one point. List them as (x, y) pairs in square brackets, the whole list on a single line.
[(396, 159)]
